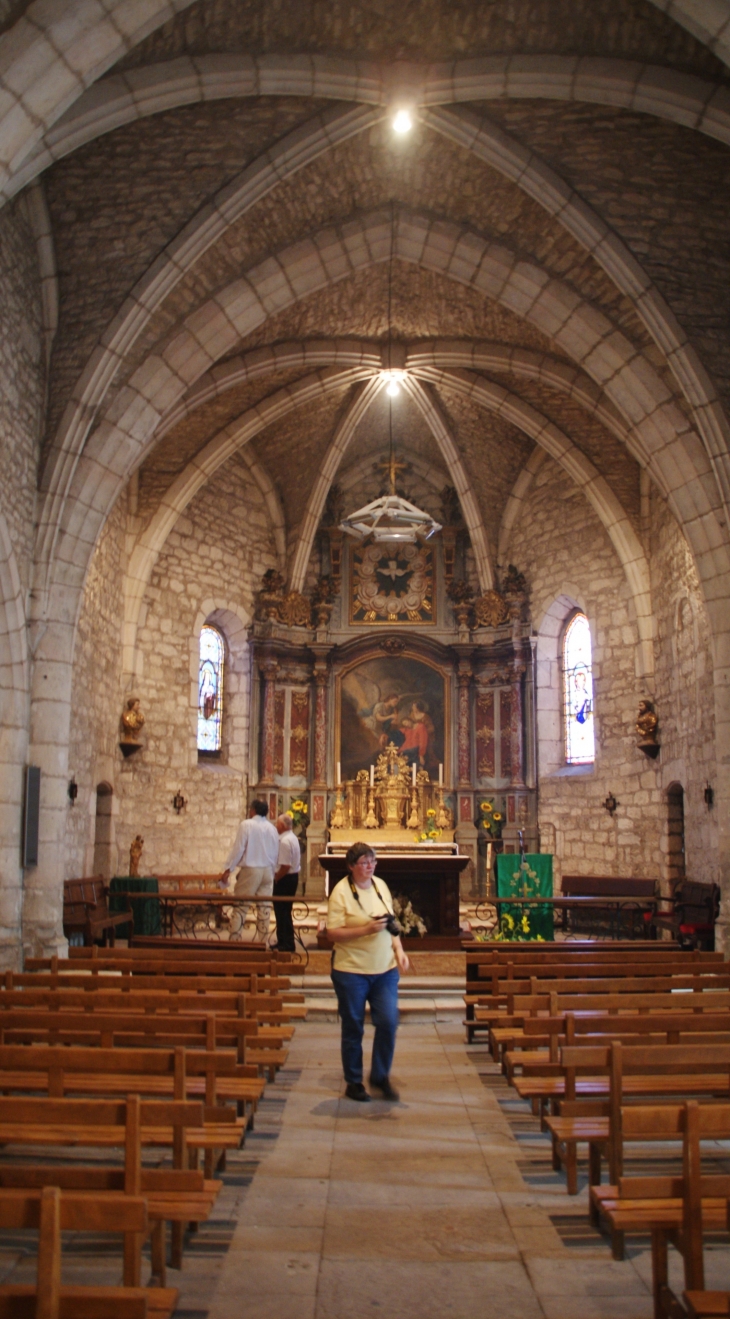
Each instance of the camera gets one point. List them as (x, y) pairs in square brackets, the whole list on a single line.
[(393, 926)]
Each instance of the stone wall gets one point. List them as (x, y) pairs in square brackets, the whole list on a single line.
[(209, 569), (22, 385), (569, 562)]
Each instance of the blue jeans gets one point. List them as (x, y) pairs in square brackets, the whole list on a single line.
[(381, 992)]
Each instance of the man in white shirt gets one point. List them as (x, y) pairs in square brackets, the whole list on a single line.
[(285, 882), (256, 851)]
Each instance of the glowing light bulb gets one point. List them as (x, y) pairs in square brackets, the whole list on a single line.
[(402, 123), (392, 388)]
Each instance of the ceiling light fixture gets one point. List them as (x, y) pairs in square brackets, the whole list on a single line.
[(391, 517), (402, 122)]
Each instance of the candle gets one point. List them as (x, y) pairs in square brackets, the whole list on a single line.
[(339, 773), (372, 776), (413, 774), (441, 776)]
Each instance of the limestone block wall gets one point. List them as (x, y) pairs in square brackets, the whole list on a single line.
[(568, 560), (22, 385), (684, 687), (210, 568)]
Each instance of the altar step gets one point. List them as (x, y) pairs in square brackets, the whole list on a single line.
[(421, 998)]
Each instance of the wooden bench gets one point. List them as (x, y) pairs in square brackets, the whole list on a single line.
[(677, 1209), (268, 1009), (694, 911), (177, 1196), (603, 886), (50, 1211), (615, 1073), (86, 910)]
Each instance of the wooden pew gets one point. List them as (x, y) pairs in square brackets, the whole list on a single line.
[(177, 1196), (267, 1009), (107, 1029), (614, 1073), (50, 1211), (595, 1028), (86, 910), (676, 1209)]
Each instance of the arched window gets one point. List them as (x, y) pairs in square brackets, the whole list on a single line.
[(578, 692), (210, 691)]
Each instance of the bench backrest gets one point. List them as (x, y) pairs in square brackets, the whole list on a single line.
[(602, 886), (712, 1000)]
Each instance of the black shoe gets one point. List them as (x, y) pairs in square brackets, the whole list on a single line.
[(387, 1090), (356, 1090)]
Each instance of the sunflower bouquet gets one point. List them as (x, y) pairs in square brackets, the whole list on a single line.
[(513, 931), (299, 814), (430, 833), (491, 820)]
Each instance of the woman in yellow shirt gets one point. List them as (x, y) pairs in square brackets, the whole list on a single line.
[(367, 961)]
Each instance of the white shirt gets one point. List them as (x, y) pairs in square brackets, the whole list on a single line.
[(290, 853), (257, 844)]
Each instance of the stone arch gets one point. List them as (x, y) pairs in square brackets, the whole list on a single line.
[(176, 498), (232, 620), (432, 415), (55, 56), (123, 98), (661, 437), (709, 20), (596, 489)]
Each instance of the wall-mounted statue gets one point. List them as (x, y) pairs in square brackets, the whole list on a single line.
[(135, 853), (646, 727), (132, 721)]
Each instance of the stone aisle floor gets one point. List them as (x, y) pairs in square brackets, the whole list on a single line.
[(415, 1211)]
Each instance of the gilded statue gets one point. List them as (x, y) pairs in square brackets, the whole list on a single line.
[(135, 853), (132, 720), (647, 724)]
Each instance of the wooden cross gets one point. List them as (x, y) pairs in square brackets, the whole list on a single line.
[(391, 469)]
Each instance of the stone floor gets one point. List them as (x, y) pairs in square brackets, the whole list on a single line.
[(445, 1204)]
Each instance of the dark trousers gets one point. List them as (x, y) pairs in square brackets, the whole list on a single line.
[(285, 887), (381, 992)]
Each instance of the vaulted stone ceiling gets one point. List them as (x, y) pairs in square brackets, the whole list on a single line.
[(242, 243)]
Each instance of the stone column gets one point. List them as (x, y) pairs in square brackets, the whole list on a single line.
[(269, 670), (464, 727), (320, 725)]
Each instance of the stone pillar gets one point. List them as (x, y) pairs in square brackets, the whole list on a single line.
[(50, 723), (269, 670)]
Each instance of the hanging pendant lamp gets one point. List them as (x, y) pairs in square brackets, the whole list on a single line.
[(390, 517)]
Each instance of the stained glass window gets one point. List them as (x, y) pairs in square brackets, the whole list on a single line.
[(578, 692), (210, 690)]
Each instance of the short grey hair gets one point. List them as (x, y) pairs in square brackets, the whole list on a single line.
[(286, 820)]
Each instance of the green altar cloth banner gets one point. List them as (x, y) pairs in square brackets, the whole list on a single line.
[(145, 911), (528, 877)]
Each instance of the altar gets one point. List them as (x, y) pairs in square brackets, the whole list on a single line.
[(427, 877)]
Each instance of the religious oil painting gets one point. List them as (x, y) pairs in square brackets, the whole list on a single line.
[(392, 699), (392, 583)]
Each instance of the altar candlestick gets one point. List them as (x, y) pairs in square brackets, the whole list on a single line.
[(372, 776), (339, 772), (441, 776), (413, 774)]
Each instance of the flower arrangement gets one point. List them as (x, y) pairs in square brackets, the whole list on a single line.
[(512, 931), (430, 833), (491, 819), (410, 921), (299, 813)]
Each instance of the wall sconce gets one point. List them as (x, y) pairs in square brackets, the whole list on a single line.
[(179, 802), (611, 804), (73, 791), (709, 795)]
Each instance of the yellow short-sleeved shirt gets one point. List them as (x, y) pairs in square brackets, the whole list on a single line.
[(372, 954)]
